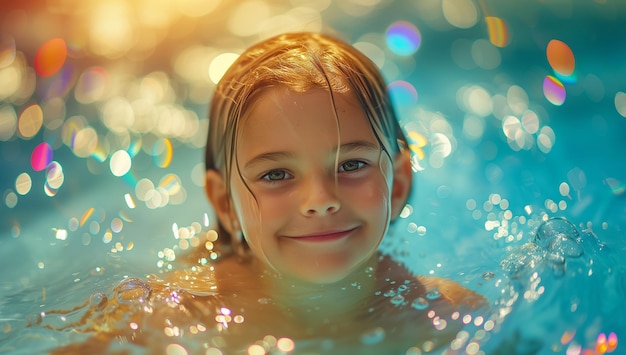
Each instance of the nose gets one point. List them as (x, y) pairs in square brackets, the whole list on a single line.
[(320, 197)]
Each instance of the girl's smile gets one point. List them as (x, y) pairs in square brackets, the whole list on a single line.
[(323, 236)]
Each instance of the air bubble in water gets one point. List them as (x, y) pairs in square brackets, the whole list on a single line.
[(433, 294), (559, 236), (397, 300), (131, 290), (419, 303), (373, 336)]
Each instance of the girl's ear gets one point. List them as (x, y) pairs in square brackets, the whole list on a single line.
[(217, 192), (402, 181)]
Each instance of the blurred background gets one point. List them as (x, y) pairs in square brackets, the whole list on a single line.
[(98, 93), (515, 111)]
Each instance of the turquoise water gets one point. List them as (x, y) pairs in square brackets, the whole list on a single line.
[(519, 193)]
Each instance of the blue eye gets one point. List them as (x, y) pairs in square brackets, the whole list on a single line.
[(276, 175), (351, 165)]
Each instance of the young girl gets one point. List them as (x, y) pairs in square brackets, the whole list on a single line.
[(306, 168)]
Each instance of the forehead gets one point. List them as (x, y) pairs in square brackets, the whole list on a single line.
[(280, 115)]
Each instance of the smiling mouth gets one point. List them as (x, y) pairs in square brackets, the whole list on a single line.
[(324, 236)]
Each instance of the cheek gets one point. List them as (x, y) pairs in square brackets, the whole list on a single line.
[(372, 195), (257, 212)]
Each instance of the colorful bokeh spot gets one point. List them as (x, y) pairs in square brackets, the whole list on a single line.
[(498, 31), (61, 84), (402, 93), (86, 216), (553, 90), (560, 57), (50, 57), (171, 183), (54, 178), (135, 147), (416, 144), (403, 38), (606, 344), (162, 152), (41, 156)]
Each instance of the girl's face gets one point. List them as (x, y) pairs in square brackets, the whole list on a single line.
[(314, 190)]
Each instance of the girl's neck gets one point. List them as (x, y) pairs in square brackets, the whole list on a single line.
[(319, 303)]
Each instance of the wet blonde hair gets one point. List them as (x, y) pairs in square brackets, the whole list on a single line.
[(300, 62)]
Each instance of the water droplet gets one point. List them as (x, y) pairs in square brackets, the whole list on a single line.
[(433, 294), (397, 300), (402, 288), (419, 303), (390, 293), (264, 300), (559, 236), (555, 226), (555, 258), (131, 290), (488, 275), (373, 336)]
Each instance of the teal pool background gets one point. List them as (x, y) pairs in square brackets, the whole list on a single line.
[(453, 240)]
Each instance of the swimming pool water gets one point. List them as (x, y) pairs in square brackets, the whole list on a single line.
[(519, 190)]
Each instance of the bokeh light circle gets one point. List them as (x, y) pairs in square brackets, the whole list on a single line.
[(91, 85), (220, 64), (560, 57), (23, 184), (30, 121), (403, 38), (620, 103), (498, 31), (10, 199), (85, 142), (41, 156), (8, 122), (171, 183), (402, 93), (7, 50), (144, 189), (553, 90), (460, 13), (50, 57), (120, 163), (54, 175), (162, 152)]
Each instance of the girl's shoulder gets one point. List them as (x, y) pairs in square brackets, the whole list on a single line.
[(453, 292), (433, 287)]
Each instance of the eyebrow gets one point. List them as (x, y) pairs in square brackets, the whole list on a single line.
[(350, 147)]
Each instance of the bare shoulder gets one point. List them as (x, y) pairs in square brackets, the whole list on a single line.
[(453, 292)]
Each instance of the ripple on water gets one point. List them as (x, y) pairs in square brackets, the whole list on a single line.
[(97, 301)]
